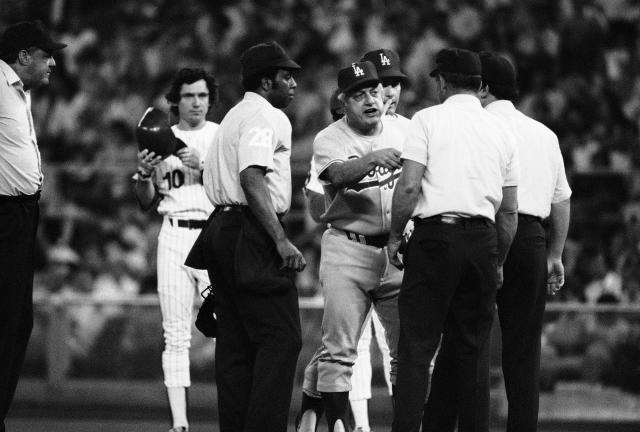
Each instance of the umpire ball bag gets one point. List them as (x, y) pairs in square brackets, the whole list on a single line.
[(206, 319)]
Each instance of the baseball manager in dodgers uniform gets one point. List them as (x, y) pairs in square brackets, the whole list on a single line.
[(387, 63), (358, 161), (460, 168), (248, 178), (177, 183)]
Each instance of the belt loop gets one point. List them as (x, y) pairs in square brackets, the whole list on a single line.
[(171, 221)]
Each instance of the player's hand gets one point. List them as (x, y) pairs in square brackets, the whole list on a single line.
[(291, 256), (555, 275), (190, 157), (500, 277), (386, 106), (387, 158), (148, 161), (393, 246)]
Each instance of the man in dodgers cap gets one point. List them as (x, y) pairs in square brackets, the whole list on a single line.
[(357, 160)]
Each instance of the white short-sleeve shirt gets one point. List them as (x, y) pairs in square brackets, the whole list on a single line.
[(253, 133), (543, 180), (469, 155), (20, 163)]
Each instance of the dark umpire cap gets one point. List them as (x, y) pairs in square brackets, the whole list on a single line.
[(387, 63), (265, 56), (497, 70), (357, 76), (457, 61), (27, 34)]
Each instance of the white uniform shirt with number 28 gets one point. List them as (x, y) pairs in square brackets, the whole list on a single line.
[(253, 133)]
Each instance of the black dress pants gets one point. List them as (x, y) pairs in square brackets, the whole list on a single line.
[(448, 289), (18, 225), (258, 336), (521, 302)]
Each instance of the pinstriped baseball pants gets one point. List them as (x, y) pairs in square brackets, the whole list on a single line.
[(177, 285)]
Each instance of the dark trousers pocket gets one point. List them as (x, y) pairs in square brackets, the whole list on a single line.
[(257, 262)]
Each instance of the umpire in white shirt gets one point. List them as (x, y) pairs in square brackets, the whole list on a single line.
[(244, 247), (459, 182), (26, 62), (534, 264)]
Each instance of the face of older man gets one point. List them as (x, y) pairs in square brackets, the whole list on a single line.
[(363, 108), (38, 65)]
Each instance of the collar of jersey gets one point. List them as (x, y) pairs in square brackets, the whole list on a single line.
[(255, 97), (500, 105), (10, 75), (463, 98)]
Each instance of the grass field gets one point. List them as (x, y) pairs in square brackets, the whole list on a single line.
[(572, 407)]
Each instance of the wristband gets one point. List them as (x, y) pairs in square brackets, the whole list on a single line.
[(142, 175)]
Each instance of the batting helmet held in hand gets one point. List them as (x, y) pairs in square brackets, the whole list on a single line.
[(154, 133)]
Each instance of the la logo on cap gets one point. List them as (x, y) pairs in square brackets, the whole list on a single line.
[(357, 70), (384, 60)]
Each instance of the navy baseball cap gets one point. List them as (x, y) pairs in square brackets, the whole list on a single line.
[(265, 56), (387, 63), (357, 76), (497, 70), (457, 61), (27, 34)]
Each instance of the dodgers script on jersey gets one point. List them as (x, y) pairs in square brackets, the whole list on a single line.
[(358, 208), (180, 186)]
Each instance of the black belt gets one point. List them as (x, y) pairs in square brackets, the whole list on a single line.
[(20, 198), (454, 220), (378, 241), (238, 208), (188, 223), (529, 218)]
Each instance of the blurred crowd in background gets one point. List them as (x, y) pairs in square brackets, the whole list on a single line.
[(578, 64)]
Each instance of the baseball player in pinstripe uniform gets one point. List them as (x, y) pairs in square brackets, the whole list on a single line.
[(176, 184)]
